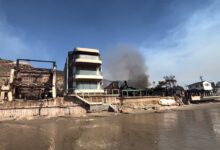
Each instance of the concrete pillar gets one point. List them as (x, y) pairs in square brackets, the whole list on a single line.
[(10, 97), (97, 71), (98, 85), (11, 76), (54, 90), (2, 96)]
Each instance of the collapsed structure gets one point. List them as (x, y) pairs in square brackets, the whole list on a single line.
[(168, 87), (22, 81), (34, 83)]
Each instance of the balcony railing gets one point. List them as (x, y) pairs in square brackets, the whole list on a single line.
[(98, 77), (86, 72), (89, 57)]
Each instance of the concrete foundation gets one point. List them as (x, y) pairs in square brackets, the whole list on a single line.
[(33, 109), (75, 107), (130, 104)]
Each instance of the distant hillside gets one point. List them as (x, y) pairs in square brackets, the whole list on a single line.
[(5, 67)]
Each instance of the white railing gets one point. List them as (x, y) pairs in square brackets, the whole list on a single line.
[(94, 97), (90, 57)]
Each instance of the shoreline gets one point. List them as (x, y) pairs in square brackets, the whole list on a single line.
[(163, 109), (194, 106), (160, 109)]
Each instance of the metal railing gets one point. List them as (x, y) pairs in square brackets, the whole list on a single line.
[(89, 57), (133, 93), (112, 91), (100, 97)]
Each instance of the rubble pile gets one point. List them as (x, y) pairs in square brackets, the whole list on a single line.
[(28, 80)]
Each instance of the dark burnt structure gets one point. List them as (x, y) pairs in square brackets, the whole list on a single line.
[(168, 87), (124, 89), (34, 83)]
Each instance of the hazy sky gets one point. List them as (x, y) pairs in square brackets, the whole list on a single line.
[(179, 37)]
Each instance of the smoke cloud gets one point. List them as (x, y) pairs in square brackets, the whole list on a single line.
[(189, 50), (125, 63)]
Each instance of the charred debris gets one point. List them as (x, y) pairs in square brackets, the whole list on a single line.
[(19, 80), (196, 92), (167, 87)]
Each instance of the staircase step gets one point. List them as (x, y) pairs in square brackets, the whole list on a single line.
[(96, 106)]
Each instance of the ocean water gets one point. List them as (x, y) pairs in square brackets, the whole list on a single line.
[(177, 130)]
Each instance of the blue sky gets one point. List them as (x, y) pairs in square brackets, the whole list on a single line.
[(179, 37)]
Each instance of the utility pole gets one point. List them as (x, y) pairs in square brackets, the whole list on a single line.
[(201, 78)]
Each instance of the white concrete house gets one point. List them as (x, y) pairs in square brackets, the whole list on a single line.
[(203, 85), (83, 73)]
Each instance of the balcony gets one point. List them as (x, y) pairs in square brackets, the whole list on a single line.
[(88, 59), (86, 91), (89, 50), (92, 77)]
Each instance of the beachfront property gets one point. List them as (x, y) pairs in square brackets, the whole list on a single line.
[(203, 85), (83, 87), (83, 72)]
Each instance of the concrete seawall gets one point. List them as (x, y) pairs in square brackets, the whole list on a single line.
[(132, 104), (70, 107), (34, 109)]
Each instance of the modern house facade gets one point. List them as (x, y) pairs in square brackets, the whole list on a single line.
[(83, 73), (203, 85)]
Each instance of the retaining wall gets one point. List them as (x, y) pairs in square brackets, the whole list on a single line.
[(33, 109), (140, 103)]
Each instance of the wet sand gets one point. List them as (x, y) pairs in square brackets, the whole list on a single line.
[(194, 127)]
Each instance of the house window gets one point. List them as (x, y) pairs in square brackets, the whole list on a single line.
[(206, 84), (86, 85), (86, 71), (91, 57)]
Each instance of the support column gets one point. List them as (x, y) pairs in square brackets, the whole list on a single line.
[(54, 90), (11, 80), (2, 96), (98, 85), (10, 97)]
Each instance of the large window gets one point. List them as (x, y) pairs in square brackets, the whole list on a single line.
[(88, 57), (86, 85), (86, 71)]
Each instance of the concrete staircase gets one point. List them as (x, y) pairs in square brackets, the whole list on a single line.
[(96, 106)]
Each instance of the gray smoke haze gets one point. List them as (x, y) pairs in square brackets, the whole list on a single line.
[(125, 63), (190, 49)]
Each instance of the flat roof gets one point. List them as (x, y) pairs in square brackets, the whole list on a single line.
[(198, 83), (91, 50)]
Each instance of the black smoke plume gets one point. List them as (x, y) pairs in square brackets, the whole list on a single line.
[(125, 63)]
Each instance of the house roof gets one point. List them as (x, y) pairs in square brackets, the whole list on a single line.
[(91, 50), (197, 83)]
